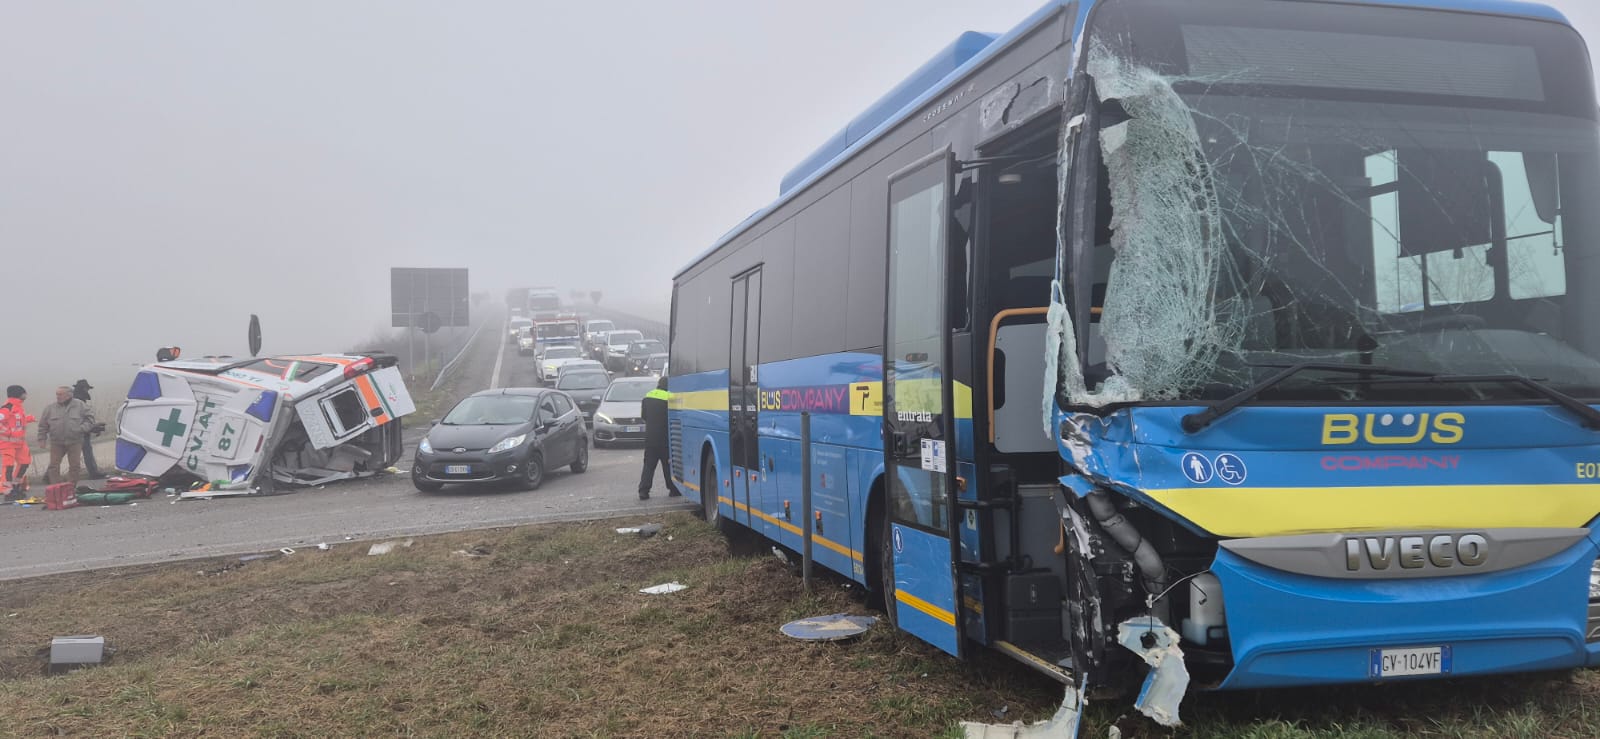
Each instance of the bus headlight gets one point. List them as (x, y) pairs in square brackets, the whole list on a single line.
[(1594, 581)]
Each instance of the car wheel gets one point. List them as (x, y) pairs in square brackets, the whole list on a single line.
[(425, 486), (532, 472), (581, 464)]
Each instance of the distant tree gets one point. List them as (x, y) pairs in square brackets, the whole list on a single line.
[(594, 296)]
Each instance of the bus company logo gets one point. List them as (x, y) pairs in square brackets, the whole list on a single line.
[(1387, 428), (1438, 551), (827, 399)]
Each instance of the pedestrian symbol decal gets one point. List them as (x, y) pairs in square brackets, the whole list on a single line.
[(1230, 469), (1197, 468), (899, 545), (170, 426)]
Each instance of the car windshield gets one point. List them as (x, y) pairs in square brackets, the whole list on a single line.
[(644, 347), (598, 326), (561, 352), (1350, 198), (627, 391), (658, 361), (582, 381), (518, 323), (623, 338), (491, 410)]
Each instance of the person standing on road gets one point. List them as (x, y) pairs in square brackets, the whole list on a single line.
[(654, 408), (14, 453), (81, 392), (63, 426)]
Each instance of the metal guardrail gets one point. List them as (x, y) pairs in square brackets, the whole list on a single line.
[(445, 370)]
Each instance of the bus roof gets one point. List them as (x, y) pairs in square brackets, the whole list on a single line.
[(972, 49)]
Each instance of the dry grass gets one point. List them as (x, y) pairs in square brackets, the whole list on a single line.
[(547, 636)]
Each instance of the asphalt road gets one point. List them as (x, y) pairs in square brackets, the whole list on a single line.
[(38, 542)]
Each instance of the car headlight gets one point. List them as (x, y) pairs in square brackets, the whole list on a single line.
[(603, 418), (425, 447), (510, 442)]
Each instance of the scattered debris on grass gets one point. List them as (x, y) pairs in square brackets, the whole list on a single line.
[(664, 588), (386, 547), (644, 532), (834, 627)]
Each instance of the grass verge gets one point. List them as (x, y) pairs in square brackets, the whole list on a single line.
[(546, 635)]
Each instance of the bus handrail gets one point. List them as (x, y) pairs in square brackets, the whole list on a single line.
[(994, 332)]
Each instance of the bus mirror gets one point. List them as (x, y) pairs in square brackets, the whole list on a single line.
[(1444, 201), (1542, 183)]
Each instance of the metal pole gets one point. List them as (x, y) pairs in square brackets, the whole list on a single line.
[(427, 347), (805, 498), (411, 346)]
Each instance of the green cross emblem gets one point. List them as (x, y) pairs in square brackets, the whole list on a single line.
[(170, 426)]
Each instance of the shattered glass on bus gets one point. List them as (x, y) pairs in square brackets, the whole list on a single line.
[(1333, 184)]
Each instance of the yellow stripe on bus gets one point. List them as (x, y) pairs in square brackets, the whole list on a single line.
[(1251, 512), (932, 610), (700, 400), (793, 529)]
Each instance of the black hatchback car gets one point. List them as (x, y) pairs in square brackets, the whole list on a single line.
[(512, 434), (586, 386)]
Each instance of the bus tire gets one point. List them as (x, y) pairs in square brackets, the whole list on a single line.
[(885, 554), (709, 510)]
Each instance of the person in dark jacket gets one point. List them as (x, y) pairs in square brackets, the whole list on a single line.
[(654, 409), (81, 392)]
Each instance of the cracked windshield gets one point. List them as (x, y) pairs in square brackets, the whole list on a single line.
[(1289, 185)]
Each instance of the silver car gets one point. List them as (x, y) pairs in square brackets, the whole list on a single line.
[(619, 417)]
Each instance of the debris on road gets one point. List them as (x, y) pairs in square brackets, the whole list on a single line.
[(834, 627), (1157, 645), (664, 588), (388, 546)]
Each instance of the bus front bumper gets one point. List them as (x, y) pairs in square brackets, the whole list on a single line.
[(1287, 629)]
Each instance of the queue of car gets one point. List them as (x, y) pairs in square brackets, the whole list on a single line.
[(591, 386)]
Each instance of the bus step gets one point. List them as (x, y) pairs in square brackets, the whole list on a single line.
[(1044, 660)]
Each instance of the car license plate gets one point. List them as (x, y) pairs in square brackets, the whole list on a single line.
[(632, 429), (1410, 661), (457, 469)]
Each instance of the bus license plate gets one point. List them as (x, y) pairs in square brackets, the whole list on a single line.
[(457, 469), (1411, 661), (632, 429)]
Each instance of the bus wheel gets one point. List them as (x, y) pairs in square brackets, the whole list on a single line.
[(886, 589), (709, 486)]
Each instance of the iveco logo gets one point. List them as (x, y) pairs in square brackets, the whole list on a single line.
[(1415, 552)]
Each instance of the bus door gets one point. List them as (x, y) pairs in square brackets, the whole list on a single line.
[(744, 447), (917, 422)]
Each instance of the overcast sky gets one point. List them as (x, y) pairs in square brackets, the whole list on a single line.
[(171, 167)]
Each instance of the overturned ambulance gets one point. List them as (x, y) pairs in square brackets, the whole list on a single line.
[(244, 426)]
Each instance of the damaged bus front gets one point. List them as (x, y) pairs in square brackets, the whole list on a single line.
[(239, 427), (1326, 334)]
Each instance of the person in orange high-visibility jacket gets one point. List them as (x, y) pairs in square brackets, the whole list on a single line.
[(14, 454)]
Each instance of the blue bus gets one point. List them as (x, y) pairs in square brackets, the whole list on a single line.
[(1247, 338)]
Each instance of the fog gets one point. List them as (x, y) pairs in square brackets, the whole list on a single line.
[(172, 167)]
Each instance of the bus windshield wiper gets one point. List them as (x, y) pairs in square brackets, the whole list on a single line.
[(1590, 416), (1194, 422)]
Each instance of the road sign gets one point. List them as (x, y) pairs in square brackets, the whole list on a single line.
[(417, 291), (429, 322)]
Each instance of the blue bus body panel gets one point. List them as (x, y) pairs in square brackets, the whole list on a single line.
[(1289, 629), (925, 599)]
